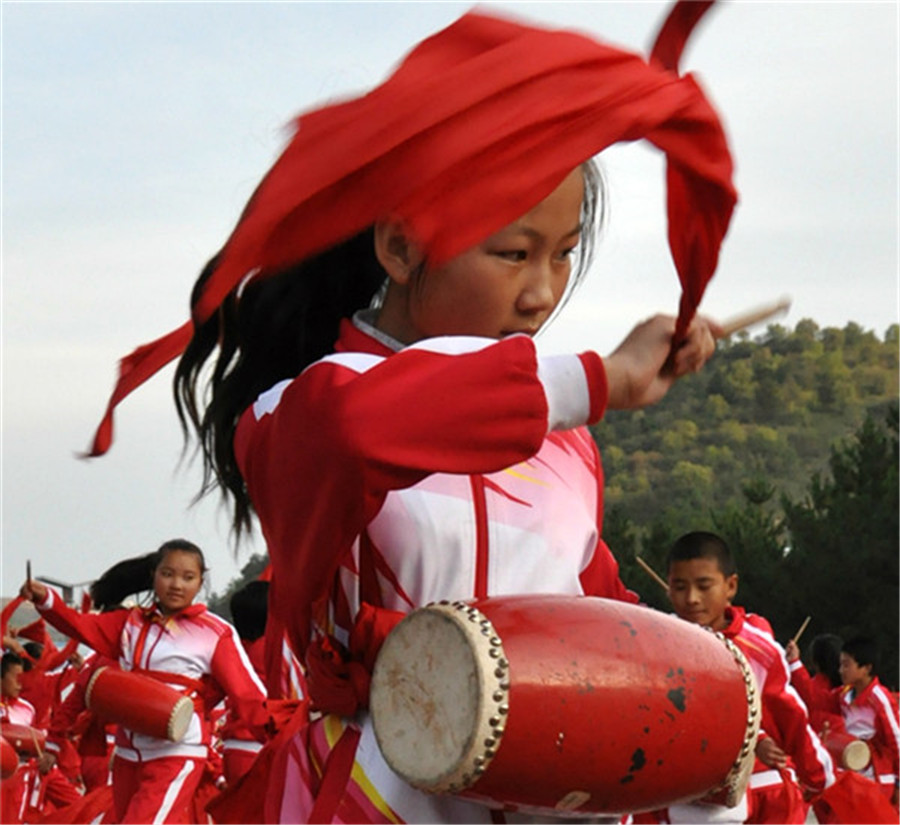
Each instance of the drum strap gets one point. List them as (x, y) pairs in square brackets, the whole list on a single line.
[(193, 688), (192, 685)]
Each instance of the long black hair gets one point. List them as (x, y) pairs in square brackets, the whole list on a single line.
[(825, 654), (135, 575), (279, 323)]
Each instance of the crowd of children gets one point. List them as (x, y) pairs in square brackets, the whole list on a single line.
[(76, 766), (76, 762)]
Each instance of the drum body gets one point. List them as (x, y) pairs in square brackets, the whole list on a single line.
[(9, 759), (139, 703), (847, 751), (25, 740), (561, 704)]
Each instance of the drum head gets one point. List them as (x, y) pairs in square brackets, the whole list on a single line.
[(180, 719), (438, 697), (855, 757)]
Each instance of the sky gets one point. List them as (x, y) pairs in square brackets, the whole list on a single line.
[(133, 133)]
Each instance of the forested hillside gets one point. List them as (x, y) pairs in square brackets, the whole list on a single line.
[(786, 444)]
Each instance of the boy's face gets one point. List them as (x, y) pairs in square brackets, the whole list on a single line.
[(700, 592), (11, 684), (853, 674)]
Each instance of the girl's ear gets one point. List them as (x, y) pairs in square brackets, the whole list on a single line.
[(397, 252)]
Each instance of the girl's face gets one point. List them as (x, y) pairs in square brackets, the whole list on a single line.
[(511, 282), (177, 580)]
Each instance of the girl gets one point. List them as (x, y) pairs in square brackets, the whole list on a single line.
[(361, 372), (177, 642)]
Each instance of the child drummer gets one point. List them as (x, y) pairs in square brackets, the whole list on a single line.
[(703, 581)]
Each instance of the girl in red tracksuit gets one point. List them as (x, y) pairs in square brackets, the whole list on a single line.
[(375, 395), (177, 642)]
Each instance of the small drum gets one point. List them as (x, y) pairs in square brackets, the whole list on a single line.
[(139, 703), (9, 759), (847, 751), (561, 705), (25, 740)]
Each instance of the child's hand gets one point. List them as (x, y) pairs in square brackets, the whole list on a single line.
[(33, 590), (640, 371), (768, 752), (792, 651)]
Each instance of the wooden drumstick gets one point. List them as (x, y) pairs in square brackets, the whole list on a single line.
[(754, 316), (37, 746), (799, 633), (656, 577), (28, 570)]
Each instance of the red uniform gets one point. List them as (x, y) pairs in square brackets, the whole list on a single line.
[(73, 721), (814, 691), (507, 498), (154, 780), (871, 715)]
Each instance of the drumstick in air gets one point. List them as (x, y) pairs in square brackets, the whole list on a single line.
[(28, 570), (656, 577), (799, 633), (754, 316)]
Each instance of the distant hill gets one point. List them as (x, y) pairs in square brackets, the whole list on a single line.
[(767, 408)]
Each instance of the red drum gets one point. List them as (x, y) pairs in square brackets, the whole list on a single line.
[(26, 740), (9, 759), (847, 751), (556, 704), (139, 703)]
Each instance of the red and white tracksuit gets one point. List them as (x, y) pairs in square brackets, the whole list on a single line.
[(814, 691), (154, 779), (71, 719), (29, 793), (455, 468), (871, 715)]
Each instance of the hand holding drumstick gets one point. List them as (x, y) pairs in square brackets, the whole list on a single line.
[(32, 590)]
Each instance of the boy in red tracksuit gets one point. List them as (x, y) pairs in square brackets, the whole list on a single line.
[(39, 786), (703, 580), (869, 711)]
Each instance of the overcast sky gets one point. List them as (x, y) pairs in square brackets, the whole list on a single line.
[(133, 133)]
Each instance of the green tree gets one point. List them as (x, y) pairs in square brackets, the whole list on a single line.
[(845, 541), (219, 604)]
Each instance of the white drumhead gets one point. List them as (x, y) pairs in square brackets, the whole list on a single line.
[(856, 756), (180, 719), (439, 697)]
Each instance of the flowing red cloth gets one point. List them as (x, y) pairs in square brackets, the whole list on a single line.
[(477, 125), (7, 612)]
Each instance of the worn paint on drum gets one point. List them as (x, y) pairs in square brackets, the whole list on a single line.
[(609, 707)]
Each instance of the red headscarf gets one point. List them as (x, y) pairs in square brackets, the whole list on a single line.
[(476, 126)]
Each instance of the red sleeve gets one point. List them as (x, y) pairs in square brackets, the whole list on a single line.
[(100, 631), (377, 425), (784, 712), (232, 670), (886, 741), (601, 577), (62, 723)]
